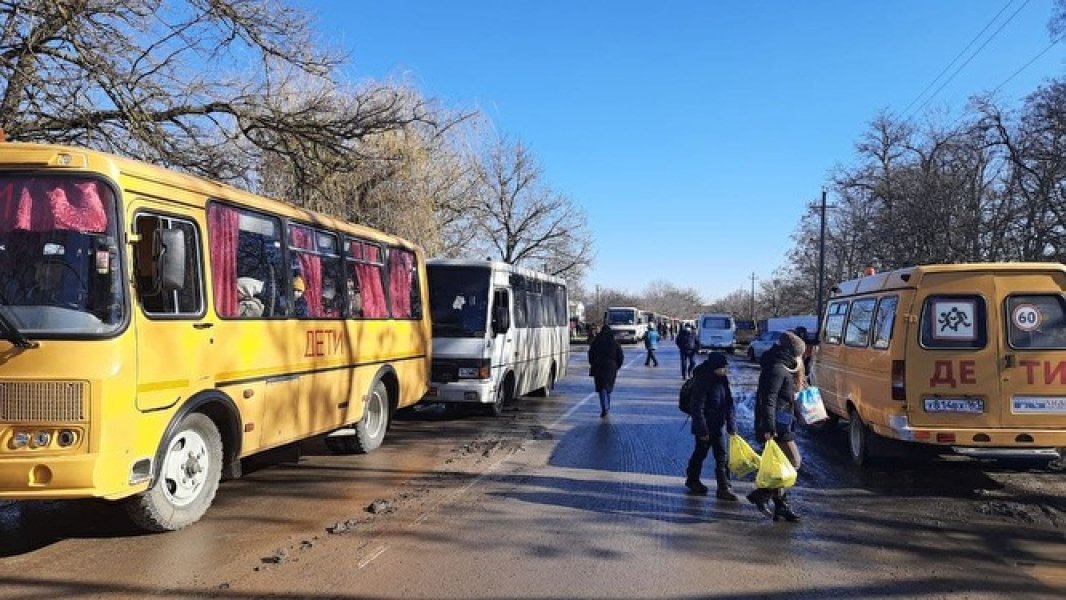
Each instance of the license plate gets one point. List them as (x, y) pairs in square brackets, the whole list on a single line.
[(954, 405), (1039, 405)]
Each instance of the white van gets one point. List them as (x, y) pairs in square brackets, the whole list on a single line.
[(717, 331)]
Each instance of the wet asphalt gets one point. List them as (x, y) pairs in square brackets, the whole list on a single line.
[(551, 501)]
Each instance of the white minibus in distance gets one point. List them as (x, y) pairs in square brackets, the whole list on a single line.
[(627, 322)]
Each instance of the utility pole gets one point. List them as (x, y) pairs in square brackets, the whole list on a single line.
[(753, 296), (821, 259)]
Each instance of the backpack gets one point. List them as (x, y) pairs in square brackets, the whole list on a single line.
[(684, 395)]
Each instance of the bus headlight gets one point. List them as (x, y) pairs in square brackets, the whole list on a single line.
[(20, 440), (67, 437), (42, 438)]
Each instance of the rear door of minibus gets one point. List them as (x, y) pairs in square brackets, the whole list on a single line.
[(952, 357), (1034, 349)]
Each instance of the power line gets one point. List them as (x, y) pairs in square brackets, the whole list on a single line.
[(972, 56), (958, 56), (1031, 61)]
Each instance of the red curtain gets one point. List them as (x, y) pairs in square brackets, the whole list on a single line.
[(223, 225), (373, 290), (45, 204), (400, 268), (303, 238)]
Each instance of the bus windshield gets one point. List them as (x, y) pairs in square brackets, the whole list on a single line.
[(621, 316), (59, 271), (459, 298)]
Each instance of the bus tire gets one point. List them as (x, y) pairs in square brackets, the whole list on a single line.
[(496, 408), (859, 439), (370, 430), (549, 386), (187, 480)]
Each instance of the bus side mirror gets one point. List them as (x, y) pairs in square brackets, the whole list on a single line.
[(501, 320), (169, 259)]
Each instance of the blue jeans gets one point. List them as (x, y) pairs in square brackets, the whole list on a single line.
[(605, 400)]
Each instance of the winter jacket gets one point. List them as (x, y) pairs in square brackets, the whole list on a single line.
[(686, 341), (712, 404), (651, 340), (777, 388), (605, 358)]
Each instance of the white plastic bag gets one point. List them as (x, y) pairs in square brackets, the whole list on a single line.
[(811, 408)]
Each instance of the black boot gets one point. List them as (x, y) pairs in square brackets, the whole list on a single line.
[(723, 492), (760, 498), (695, 486), (782, 510)]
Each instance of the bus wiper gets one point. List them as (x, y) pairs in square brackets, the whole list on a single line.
[(13, 335)]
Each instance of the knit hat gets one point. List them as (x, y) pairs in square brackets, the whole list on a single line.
[(298, 284), (792, 343), (716, 360)]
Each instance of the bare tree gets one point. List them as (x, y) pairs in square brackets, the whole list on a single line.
[(522, 221), (665, 298), (210, 86)]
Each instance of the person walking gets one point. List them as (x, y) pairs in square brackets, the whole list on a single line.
[(775, 414), (605, 358), (712, 410), (686, 344), (651, 344)]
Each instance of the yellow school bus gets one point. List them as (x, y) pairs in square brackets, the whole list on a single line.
[(158, 327), (962, 355)]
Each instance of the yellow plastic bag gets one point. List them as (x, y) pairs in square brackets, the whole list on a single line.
[(742, 458), (775, 470)]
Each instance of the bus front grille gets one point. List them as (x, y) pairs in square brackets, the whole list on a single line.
[(52, 401)]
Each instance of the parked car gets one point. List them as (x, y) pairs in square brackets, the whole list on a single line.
[(762, 343)]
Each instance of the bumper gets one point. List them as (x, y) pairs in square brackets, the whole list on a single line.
[(51, 477), (469, 392), (900, 428)]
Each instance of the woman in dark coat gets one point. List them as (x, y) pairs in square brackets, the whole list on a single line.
[(781, 374), (605, 358)]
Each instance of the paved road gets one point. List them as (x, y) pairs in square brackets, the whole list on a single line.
[(552, 501)]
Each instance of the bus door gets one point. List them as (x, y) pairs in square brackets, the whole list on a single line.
[(1033, 380), (174, 337), (504, 339), (953, 362)]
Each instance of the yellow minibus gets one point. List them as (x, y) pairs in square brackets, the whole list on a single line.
[(961, 355), (157, 328)]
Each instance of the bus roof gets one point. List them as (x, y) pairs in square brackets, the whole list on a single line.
[(910, 277), (495, 265), (138, 174)]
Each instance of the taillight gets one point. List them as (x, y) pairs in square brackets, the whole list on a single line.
[(899, 384)]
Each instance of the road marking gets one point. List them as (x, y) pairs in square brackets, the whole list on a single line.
[(366, 561)]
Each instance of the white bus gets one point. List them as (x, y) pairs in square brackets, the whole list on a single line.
[(499, 332), (627, 322)]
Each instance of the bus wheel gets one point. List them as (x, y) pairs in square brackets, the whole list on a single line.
[(496, 408), (546, 391), (370, 431), (859, 438), (187, 480)]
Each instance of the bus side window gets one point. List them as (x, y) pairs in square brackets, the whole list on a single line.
[(883, 320), (834, 322)]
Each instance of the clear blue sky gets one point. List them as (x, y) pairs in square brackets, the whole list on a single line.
[(693, 133)]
